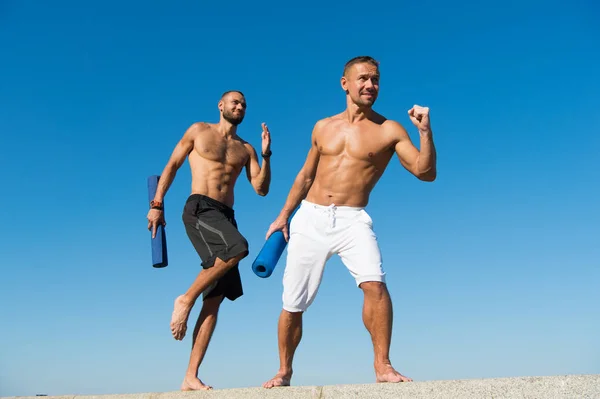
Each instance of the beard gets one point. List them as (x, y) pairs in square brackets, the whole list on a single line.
[(233, 119), (361, 101), (366, 102)]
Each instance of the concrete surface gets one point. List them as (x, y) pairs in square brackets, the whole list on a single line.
[(555, 387)]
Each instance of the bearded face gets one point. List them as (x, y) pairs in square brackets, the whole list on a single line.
[(361, 83), (233, 108)]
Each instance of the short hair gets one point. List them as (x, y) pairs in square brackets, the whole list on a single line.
[(359, 60), (232, 91)]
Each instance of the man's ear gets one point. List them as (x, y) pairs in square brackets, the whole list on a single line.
[(220, 105), (344, 84)]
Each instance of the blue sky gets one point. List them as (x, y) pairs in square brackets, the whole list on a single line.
[(493, 269)]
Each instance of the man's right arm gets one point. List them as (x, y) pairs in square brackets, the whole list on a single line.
[(181, 151), (305, 177), (302, 183)]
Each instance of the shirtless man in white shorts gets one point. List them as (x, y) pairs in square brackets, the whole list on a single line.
[(348, 155)]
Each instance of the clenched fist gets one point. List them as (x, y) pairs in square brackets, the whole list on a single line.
[(420, 118)]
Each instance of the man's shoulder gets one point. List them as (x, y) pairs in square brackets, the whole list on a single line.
[(249, 147), (196, 129), (390, 123), (328, 121), (393, 127), (245, 143), (200, 126)]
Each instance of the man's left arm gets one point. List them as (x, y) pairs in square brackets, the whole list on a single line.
[(421, 163), (260, 176)]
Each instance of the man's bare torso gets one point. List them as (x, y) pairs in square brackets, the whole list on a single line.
[(216, 162), (352, 159)]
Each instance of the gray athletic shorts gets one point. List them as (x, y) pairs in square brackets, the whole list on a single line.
[(212, 229)]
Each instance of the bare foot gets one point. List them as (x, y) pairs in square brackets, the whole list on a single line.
[(280, 380), (181, 312), (194, 384), (387, 373)]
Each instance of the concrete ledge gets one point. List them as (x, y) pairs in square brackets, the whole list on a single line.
[(556, 387)]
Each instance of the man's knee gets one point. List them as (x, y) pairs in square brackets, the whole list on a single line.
[(234, 254), (290, 319), (295, 307), (293, 314), (374, 289), (211, 305), (245, 247), (241, 247), (297, 304)]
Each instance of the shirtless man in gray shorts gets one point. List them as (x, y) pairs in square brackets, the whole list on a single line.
[(217, 156), (349, 153)]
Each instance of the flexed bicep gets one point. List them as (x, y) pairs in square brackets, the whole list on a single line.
[(406, 151), (419, 162)]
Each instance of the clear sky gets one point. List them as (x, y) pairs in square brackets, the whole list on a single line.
[(494, 269)]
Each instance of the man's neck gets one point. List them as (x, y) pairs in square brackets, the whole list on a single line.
[(227, 129), (355, 113)]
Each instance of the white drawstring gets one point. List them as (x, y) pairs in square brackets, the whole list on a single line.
[(331, 212)]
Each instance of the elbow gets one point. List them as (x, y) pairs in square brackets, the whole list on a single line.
[(428, 176), (262, 189)]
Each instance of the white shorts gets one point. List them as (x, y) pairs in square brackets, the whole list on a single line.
[(316, 233)]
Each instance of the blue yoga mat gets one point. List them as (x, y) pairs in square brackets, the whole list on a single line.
[(158, 243), (269, 255)]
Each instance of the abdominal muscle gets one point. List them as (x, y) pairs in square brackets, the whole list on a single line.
[(343, 181), (213, 179)]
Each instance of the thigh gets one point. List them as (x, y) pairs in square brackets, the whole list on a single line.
[(361, 253), (218, 230), (196, 236), (213, 235), (307, 254), (308, 247)]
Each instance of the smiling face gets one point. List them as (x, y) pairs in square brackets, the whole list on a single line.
[(361, 81), (233, 107)]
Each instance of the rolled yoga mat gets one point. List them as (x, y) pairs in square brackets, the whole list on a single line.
[(158, 243), (269, 255)]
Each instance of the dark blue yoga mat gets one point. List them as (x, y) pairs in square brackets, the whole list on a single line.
[(269, 255), (158, 243)]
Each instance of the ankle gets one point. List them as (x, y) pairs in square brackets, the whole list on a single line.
[(187, 299), (285, 372), (190, 375), (384, 362)]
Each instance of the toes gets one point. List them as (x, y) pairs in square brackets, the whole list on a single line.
[(393, 377), (269, 384), (178, 333)]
